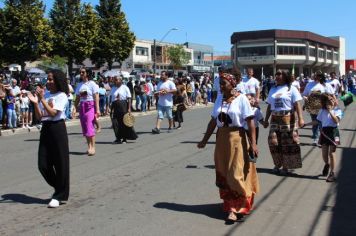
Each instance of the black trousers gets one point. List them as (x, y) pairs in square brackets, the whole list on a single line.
[(53, 158)]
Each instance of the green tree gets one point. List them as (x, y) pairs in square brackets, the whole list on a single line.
[(76, 27), (177, 56), (25, 34), (55, 62), (115, 40)]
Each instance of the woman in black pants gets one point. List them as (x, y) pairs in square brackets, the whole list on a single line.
[(53, 152)]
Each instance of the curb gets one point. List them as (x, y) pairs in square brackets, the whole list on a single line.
[(5, 133)]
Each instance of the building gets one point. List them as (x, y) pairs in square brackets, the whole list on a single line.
[(220, 61), (301, 51), (200, 53), (141, 58)]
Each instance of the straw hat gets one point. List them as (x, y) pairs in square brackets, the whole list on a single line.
[(129, 120)]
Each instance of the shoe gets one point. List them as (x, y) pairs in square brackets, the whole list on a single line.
[(155, 131), (169, 129), (315, 142), (325, 170), (54, 203), (231, 217), (275, 170), (284, 172), (117, 141), (179, 127), (124, 141), (91, 153), (23, 127), (331, 177)]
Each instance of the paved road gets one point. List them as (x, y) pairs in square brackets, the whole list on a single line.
[(163, 185)]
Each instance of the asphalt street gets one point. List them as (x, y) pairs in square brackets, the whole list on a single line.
[(163, 185)]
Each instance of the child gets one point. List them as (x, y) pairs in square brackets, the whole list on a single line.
[(25, 102), (329, 116), (258, 116)]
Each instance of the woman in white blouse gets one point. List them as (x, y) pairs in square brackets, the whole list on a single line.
[(87, 93), (283, 140), (53, 151), (236, 176)]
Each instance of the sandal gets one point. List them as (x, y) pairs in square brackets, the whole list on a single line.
[(231, 217)]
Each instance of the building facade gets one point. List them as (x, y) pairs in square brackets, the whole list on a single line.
[(141, 58), (299, 51)]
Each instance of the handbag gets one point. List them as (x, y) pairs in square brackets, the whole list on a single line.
[(181, 107)]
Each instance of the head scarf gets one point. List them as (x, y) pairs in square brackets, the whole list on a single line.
[(230, 78)]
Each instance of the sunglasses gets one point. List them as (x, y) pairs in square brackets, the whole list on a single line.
[(278, 73)]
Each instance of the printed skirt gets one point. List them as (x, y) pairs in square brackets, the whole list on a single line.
[(283, 141)]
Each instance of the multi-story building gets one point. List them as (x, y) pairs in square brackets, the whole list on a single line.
[(202, 58), (141, 58), (299, 51)]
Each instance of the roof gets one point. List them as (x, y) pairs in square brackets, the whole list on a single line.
[(283, 34)]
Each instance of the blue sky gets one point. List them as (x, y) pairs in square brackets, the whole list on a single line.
[(212, 22)]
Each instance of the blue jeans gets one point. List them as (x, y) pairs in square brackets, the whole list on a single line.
[(102, 101), (69, 109), (143, 102), (11, 118), (138, 101), (315, 128)]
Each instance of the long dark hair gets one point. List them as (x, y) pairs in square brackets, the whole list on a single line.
[(60, 81), (286, 77), (321, 76)]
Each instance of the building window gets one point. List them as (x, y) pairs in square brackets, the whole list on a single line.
[(321, 53), (329, 55), (312, 52), (290, 50), (141, 51), (255, 51)]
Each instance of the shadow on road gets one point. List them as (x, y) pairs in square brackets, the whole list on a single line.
[(196, 142), (32, 140), (289, 175), (211, 210), (22, 198), (75, 133), (344, 216), (78, 153)]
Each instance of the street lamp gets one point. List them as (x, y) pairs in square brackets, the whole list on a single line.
[(154, 48)]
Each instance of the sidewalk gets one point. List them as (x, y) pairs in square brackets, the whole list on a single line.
[(73, 122)]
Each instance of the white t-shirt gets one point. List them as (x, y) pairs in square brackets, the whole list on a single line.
[(216, 85), (325, 118), (167, 99), (335, 84), (25, 102), (71, 91), (281, 98), (258, 116), (238, 110), (240, 87), (123, 93), (57, 101), (316, 86), (16, 90), (251, 85), (296, 84), (87, 90)]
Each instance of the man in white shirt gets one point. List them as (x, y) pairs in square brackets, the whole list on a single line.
[(150, 93), (165, 91), (252, 85), (335, 84)]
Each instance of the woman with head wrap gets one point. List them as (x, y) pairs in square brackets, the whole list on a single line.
[(236, 176)]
